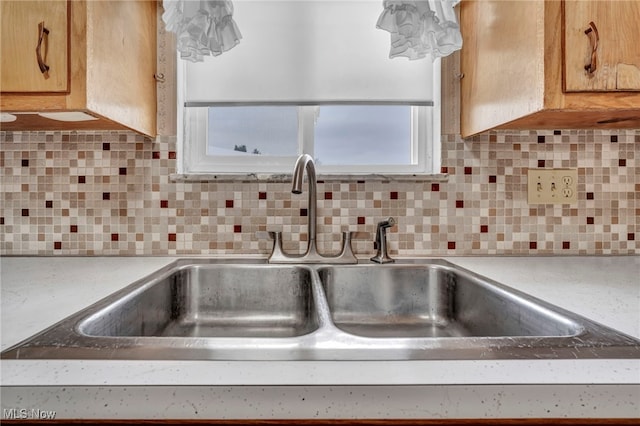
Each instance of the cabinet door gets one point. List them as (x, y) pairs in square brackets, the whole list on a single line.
[(617, 54), (27, 50)]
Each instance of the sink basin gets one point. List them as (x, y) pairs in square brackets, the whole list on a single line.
[(213, 301), (225, 309), (430, 301)]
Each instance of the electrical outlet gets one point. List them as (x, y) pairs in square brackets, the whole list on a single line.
[(567, 180), (552, 186)]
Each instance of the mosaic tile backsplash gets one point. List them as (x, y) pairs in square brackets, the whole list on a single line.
[(110, 193)]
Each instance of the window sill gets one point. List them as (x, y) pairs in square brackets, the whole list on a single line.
[(286, 177)]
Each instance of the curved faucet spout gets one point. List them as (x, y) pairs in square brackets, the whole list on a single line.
[(346, 256), (305, 162)]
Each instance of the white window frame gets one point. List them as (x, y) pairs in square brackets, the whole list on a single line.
[(193, 132)]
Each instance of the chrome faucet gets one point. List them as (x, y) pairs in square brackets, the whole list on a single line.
[(305, 163), (382, 256)]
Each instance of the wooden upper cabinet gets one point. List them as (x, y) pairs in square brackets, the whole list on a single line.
[(112, 65), (522, 70), (34, 35), (603, 36)]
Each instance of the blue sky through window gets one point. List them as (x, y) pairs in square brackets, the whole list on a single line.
[(355, 134), (344, 134), (272, 130)]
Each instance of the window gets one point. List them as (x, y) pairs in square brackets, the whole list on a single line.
[(343, 139), (370, 115)]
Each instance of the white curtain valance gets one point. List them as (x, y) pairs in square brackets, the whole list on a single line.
[(202, 27), (309, 51), (421, 28), (418, 28)]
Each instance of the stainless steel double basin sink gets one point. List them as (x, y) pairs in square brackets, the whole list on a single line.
[(239, 310)]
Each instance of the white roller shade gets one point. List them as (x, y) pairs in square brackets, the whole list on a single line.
[(307, 52)]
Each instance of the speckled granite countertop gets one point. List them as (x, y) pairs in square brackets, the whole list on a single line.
[(39, 291)]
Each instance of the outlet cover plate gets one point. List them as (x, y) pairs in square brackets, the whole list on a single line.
[(552, 186)]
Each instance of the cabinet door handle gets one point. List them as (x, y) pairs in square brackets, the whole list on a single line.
[(594, 38), (43, 38)]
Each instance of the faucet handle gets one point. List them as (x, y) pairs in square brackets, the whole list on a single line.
[(276, 253), (346, 254), (267, 235)]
